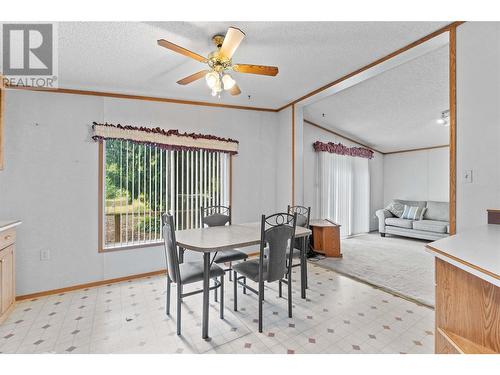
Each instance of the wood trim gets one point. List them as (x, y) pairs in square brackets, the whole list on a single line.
[(342, 136), (100, 198), (453, 128), (140, 97), (90, 285), (231, 181), (99, 283), (465, 263), (2, 119), (131, 247), (424, 39), (293, 154), (416, 149)]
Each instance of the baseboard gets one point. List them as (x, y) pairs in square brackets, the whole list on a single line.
[(98, 283), (89, 285)]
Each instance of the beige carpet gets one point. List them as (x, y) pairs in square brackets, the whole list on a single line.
[(397, 264)]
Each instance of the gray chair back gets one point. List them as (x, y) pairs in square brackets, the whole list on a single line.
[(171, 256), (303, 215), (215, 216), (277, 231)]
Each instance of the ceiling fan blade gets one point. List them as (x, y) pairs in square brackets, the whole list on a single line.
[(232, 40), (193, 77), (183, 51), (235, 90), (256, 69)]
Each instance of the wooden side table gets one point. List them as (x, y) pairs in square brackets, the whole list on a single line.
[(326, 238)]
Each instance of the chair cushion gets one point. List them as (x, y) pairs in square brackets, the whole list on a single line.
[(439, 211), (431, 226), (192, 272), (397, 222), (250, 269), (230, 256)]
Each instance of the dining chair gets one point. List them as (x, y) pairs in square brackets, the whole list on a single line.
[(185, 273), (277, 233), (303, 218), (213, 216)]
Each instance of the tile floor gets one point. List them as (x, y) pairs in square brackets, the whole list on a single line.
[(340, 315)]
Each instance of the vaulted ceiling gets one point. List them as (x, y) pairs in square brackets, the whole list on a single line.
[(123, 57), (396, 110)]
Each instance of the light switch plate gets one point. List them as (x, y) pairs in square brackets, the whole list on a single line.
[(468, 176)]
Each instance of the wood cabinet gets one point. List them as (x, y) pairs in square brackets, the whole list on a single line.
[(326, 238), (7, 272), (468, 292)]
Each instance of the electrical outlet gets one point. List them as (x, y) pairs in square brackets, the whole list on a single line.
[(44, 254), (468, 176)]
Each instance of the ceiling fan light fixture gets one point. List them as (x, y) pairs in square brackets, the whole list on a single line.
[(228, 82), (212, 79)]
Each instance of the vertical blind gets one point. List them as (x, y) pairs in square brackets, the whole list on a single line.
[(142, 182), (344, 191)]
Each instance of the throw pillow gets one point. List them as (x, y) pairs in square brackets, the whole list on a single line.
[(413, 213), (396, 208)]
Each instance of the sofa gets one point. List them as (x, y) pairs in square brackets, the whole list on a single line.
[(433, 225)]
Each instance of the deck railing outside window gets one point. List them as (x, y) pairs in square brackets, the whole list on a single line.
[(142, 182)]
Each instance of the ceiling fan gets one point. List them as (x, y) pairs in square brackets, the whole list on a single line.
[(220, 62)]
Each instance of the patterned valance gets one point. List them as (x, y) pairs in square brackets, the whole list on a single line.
[(165, 139), (339, 148)]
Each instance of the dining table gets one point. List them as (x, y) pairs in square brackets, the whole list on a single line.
[(210, 240)]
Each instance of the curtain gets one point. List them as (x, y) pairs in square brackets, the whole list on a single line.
[(344, 191)]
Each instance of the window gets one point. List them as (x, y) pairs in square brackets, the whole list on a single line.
[(140, 182), (344, 192)]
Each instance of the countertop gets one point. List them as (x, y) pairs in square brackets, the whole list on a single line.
[(476, 251), (7, 224), (322, 223)]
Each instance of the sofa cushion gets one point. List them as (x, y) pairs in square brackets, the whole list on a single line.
[(413, 212), (439, 211), (397, 222), (395, 208), (431, 226)]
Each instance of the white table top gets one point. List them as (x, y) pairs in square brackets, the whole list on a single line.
[(224, 237), (476, 251), (7, 224)]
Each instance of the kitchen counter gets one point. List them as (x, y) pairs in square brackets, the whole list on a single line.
[(476, 251)]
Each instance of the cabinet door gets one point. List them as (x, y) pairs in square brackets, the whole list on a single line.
[(6, 278)]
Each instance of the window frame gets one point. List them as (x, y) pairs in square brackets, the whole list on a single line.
[(101, 248)]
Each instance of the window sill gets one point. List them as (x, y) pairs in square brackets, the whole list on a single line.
[(129, 247)]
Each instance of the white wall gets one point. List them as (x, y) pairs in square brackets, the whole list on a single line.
[(313, 134), (50, 179), (478, 121), (417, 175), (283, 160)]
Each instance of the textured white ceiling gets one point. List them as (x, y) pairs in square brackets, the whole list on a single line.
[(395, 110), (124, 57)]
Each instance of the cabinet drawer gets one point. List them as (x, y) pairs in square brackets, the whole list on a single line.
[(7, 237)]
